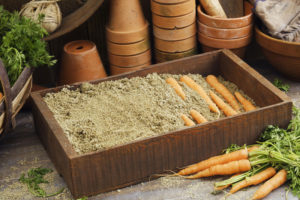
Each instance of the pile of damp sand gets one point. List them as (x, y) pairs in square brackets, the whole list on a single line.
[(112, 113)]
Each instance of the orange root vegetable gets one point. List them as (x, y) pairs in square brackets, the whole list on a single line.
[(253, 148), (221, 89), (187, 121), (254, 180), (216, 160), (225, 186), (270, 185), (248, 106), (198, 117), (233, 167), (228, 111), (192, 84), (171, 81)]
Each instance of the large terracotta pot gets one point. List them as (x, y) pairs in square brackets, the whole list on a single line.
[(80, 62), (172, 10), (227, 22), (126, 22), (175, 34), (283, 55)]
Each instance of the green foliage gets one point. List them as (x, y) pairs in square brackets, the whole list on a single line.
[(34, 178), (282, 86), (21, 44), (83, 198)]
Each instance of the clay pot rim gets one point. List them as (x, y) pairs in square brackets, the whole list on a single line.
[(199, 12), (129, 54), (132, 66), (129, 32), (141, 59), (93, 47), (181, 52), (170, 15), (180, 1), (175, 34), (223, 29), (176, 40)]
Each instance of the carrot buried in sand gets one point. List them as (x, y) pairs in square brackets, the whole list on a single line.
[(273, 183), (187, 121), (171, 81), (221, 89), (192, 84), (216, 160), (254, 180), (248, 106), (197, 116), (229, 168), (228, 111)]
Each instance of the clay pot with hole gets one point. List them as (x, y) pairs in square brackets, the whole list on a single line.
[(175, 46), (175, 34), (172, 10), (114, 70), (80, 62), (126, 23), (130, 61)]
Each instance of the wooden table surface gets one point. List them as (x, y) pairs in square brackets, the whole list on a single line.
[(22, 151)]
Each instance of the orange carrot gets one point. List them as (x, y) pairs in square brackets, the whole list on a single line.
[(254, 180), (248, 106), (192, 84), (197, 116), (225, 186), (171, 81), (253, 148), (228, 111), (187, 121), (224, 169), (216, 160), (221, 89), (270, 185)]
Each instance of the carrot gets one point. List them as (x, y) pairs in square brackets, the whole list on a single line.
[(171, 81), (248, 106), (197, 116), (271, 184), (192, 84), (254, 180), (224, 169), (225, 186), (253, 148), (187, 121), (221, 89), (216, 160), (222, 105)]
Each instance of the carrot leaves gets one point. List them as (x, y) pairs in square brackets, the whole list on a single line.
[(280, 85)]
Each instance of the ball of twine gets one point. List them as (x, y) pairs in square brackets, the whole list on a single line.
[(48, 8)]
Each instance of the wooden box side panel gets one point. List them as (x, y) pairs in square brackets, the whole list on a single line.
[(251, 82), (51, 143), (132, 163)]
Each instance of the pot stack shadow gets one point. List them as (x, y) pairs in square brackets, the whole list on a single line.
[(174, 29), (228, 33), (127, 34)]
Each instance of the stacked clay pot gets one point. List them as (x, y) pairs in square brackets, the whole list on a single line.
[(127, 35), (174, 29), (228, 33)]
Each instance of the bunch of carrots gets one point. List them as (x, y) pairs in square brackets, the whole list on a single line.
[(213, 101), (274, 159)]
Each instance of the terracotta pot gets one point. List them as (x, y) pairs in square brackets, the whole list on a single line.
[(241, 52), (114, 70), (169, 1), (128, 37), (283, 55), (128, 49), (174, 22), (221, 33), (130, 61), (163, 56), (126, 22), (172, 10), (227, 22), (175, 34), (175, 46), (80, 62), (223, 43)]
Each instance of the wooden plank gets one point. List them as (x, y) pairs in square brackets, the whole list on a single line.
[(233, 8)]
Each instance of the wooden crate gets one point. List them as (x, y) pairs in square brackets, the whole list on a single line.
[(103, 171)]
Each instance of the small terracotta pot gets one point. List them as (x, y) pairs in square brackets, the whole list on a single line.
[(128, 49), (130, 61), (220, 33), (80, 62), (175, 46), (172, 10), (163, 56), (227, 22), (175, 34), (169, 1), (174, 22), (223, 43), (240, 52), (114, 70), (127, 37)]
